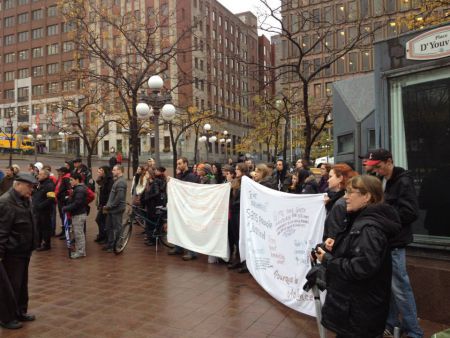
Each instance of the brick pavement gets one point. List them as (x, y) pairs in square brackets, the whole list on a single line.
[(146, 294)]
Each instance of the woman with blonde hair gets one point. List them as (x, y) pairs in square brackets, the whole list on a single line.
[(263, 175)]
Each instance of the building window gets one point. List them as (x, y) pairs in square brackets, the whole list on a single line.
[(37, 90), (24, 114), (345, 144), (364, 9), (377, 7), (328, 89), (340, 13), (366, 58), (352, 62), (52, 11), (52, 68), (24, 73), (53, 49), (69, 85), (53, 87), (37, 52), (10, 57), (10, 4), (38, 71), (340, 65), (68, 65), (52, 30), (24, 55), (23, 2), (10, 76), (22, 18), (9, 21), (37, 33), (36, 109), (371, 144), (9, 95), (341, 41), (391, 6), (22, 94), (317, 90), (9, 39), (37, 14), (68, 46), (23, 36)]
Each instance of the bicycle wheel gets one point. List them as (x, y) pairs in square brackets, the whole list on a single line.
[(123, 238), (161, 235)]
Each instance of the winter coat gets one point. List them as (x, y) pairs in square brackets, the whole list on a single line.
[(283, 180), (310, 186), (6, 184), (334, 222), (18, 234), (208, 179), (401, 195), (323, 184), (269, 182), (62, 189), (41, 203), (151, 198), (105, 184), (359, 273), (77, 203), (117, 197), (112, 161), (188, 176)]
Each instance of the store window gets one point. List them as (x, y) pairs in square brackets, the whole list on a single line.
[(420, 120)]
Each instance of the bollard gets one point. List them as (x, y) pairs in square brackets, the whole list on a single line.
[(396, 332)]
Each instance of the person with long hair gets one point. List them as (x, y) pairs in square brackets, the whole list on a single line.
[(324, 175), (151, 198), (216, 169), (335, 204), (104, 182), (307, 182), (263, 175), (295, 186), (358, 266), (241, 170)]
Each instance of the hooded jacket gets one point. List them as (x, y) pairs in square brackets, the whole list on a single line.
[(359, 273), (401, 195)]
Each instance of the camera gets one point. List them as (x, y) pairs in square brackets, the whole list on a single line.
[(314, 251)]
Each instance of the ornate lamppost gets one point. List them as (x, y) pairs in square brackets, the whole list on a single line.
[(157, 102)]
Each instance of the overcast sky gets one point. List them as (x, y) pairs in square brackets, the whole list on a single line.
[(255, 6)]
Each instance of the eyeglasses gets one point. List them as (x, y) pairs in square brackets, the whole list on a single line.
[(349, 192)]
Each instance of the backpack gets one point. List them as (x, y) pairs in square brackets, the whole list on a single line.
[(90, 196)]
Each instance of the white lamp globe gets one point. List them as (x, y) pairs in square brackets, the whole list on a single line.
[(38, 136), (143, 110), (34, 126), (225, 132), (222, 140), (202, 139), (168, 112), (61, 133), (155, 82), (30, 136), (228, 140), (207, 127), (213, 139)]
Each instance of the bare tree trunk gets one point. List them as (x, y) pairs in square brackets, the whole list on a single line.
[(285, 136), (174, 148), (307, 152), (134, 138)]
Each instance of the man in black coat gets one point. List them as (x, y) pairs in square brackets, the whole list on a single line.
[(42, 204), (17, 241), (399, 192)]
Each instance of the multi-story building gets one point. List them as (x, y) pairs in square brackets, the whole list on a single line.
[(336, 24), (218, 67)]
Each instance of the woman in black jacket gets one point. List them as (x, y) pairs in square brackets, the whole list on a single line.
[(105, 182), (151, 198), (358, 268)]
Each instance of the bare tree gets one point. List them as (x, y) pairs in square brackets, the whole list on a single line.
[(307, 33), (123, 51)]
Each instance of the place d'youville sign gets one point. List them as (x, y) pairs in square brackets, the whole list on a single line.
[(434, 44)]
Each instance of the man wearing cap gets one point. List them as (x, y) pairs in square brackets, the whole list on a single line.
[(17, 241), (399, 192)]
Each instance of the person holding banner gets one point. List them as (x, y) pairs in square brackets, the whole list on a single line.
[(359, 267), (263, 175), (235, 210), (184, 174)]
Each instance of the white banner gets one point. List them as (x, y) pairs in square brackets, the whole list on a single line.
[(197, 217), (277, 232)]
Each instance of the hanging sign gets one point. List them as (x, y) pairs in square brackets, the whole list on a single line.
[(434, 44)]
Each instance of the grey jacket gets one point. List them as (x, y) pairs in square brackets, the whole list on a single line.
[(117, 197)]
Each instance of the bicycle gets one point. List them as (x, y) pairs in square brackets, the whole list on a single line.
[(159, 234)]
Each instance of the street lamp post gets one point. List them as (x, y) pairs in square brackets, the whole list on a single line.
[(34, 128), (155, 103)]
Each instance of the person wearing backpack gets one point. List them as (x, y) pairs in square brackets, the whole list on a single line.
[(77, 207)]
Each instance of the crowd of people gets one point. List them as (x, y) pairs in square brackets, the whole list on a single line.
[(367, 227)]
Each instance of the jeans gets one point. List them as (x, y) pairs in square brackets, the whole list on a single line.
[(78, 222), (113, 227), (402, 298)]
